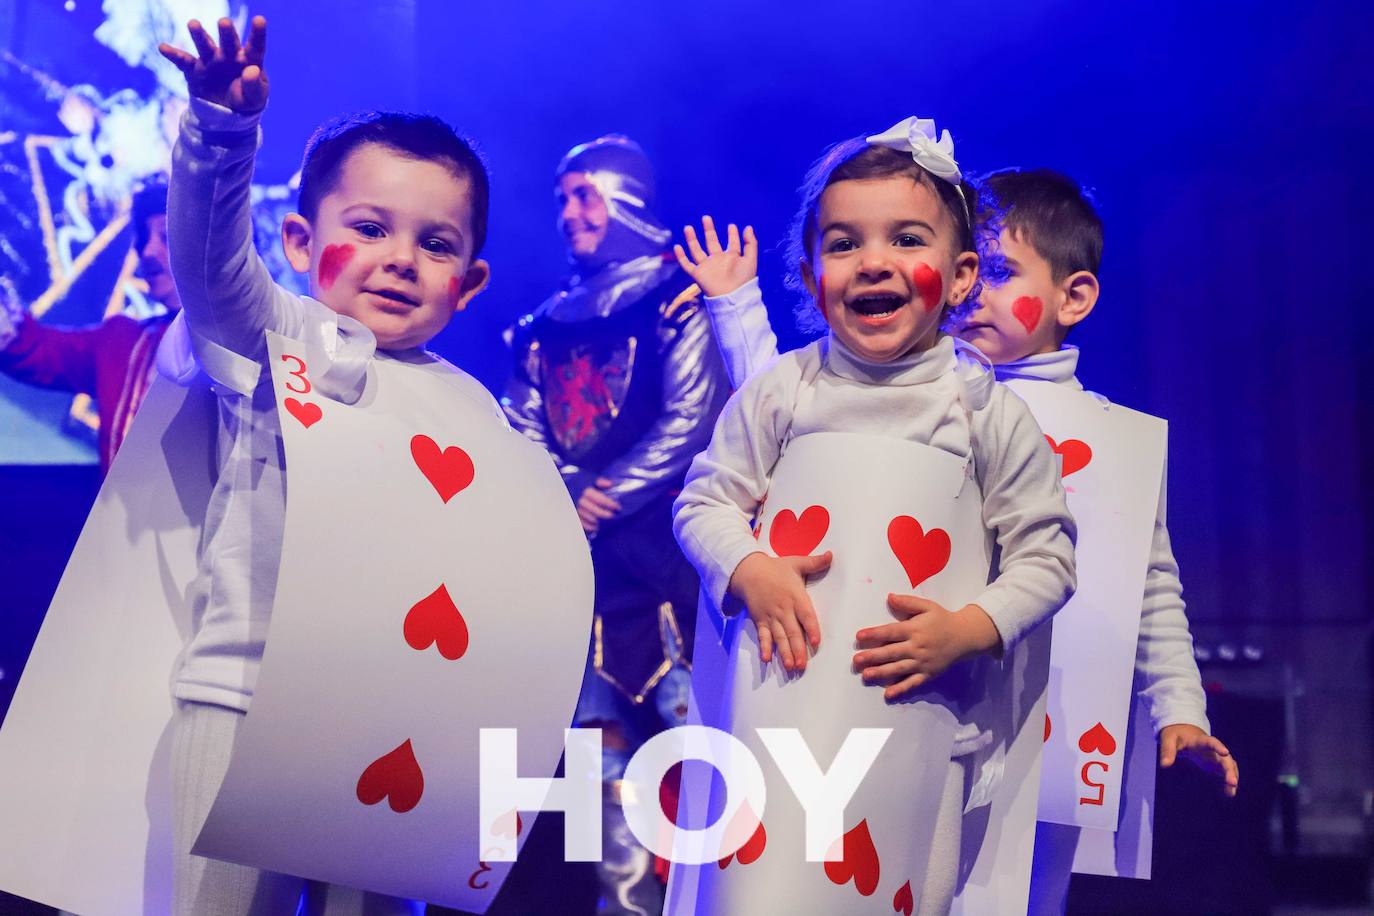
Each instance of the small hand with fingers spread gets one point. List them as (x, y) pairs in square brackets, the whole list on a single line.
[(228, 74), (774, 591), (910, 652), (719, 270), (1203, 751)]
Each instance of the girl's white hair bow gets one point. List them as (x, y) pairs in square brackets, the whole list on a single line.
[(917, 136)]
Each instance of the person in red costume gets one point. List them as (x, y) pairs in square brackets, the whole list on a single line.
[(112, 361)]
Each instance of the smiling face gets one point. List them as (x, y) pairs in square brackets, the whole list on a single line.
[(885, 264), (391, 245), (582, 214), (1022, 310)]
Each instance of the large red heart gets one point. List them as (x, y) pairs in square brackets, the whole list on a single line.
[(436, 621), (922, 554), (1076, 454), (448, 471), (307, 414), (798, 537), (1097, 739), (395, 776), (859, 861), (902, 901)]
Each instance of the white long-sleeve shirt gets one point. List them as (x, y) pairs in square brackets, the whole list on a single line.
[(229, 300), (931, 397), (1166, 674)]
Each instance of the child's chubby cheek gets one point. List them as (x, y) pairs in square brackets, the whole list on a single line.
[(929, 285), (1028, 310), (333, 260)]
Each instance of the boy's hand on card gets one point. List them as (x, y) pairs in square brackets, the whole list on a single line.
[(774, 591), (227, 74), (719, 270), (909, 653), (1203, 751), (595, 507)]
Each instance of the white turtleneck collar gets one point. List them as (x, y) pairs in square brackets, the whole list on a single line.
[(948, 356), (1059, 366)]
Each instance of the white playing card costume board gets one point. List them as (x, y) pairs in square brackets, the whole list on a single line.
[(450, 591), (1127, 851), (1112, 461), (899, 517), (85, 784)]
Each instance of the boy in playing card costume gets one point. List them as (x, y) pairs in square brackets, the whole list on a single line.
[(393, 216), (618, 376), (885, 250), (1041, 281)]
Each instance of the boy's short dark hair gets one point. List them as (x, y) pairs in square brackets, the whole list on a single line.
[(858, 160), (1052, 211), (417, 136)]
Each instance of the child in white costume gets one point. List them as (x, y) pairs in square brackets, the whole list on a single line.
[(1043, 242), (884, 222), (393, 214)]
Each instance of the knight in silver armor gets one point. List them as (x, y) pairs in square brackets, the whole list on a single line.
[(619, 377)]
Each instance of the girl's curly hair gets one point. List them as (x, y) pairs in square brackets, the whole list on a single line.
[(857, 160)]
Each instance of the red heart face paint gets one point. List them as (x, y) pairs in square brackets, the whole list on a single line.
[(455, 291), (1028, 310), (332, 262), (930, 286)]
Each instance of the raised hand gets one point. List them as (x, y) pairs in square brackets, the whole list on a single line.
[(715, 269), (229, 74)]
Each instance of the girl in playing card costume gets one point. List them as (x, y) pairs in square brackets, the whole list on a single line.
[(1041, 244), (885, 249), (618, 376)]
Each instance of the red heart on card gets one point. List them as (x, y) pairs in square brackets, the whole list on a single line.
[(798, 537), (1076, 454), (508, 825), (751, 850), (448, 471), (922, 553), (1097, 739), (859, 861), (307, 414), (902, 901), (1047, 727), (394, 776), (436, 621)]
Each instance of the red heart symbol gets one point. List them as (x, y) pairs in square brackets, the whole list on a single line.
[(435, 620), (859, 861), (1097, 739), (307, 414), (749, 853), (798, 537), (1076, 454), (508, 825), (903, 902), (1028, 310), (930, 286), (449, 471), (395, 776), (1047, 727), (922, 554)]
